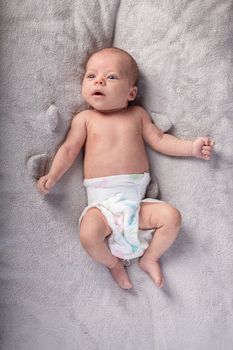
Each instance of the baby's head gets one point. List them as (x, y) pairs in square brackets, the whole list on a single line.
[(110, 81)]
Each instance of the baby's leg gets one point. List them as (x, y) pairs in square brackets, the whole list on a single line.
[(166, 220), (93, 232)]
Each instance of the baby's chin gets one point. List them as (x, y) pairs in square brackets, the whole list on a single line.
[(109, 109)]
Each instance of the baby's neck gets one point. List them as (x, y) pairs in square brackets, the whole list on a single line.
[(109, 111)]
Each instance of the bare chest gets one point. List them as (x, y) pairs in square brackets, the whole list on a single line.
[(114, 129)]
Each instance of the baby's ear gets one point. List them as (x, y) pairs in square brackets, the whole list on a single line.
[(133, 93)]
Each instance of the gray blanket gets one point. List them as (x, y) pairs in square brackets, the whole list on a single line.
[(53, 296)]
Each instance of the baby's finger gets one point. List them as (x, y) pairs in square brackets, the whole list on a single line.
[(48, 184), (206, 153), (206, 141), (206, 148), (42, 190), (206, 157), (41, 186)]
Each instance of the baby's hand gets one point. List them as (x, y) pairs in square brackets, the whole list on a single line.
[(45, 183), (202, 148)]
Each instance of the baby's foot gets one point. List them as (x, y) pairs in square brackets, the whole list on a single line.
[(120, 275), (153, 269)]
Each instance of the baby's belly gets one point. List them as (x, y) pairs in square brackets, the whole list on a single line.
[(109, 163)]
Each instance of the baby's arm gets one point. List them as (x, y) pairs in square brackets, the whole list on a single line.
[(66, 154), (168, 144)]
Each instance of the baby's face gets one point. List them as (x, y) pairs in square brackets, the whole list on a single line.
[(106, 84)]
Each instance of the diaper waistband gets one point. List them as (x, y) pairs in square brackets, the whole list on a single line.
[(132, 186)]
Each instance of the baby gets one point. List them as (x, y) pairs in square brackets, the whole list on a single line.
[(116, 169)]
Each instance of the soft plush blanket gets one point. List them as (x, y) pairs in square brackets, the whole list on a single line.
[(53, 296)]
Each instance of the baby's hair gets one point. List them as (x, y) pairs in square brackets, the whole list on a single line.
[(133, 67)]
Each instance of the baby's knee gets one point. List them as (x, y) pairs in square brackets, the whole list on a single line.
[(85, 237), (174, 217), (86, 232), (177, 218), (91, 229)]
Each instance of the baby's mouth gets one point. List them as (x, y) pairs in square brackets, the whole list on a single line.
[(98, 93)]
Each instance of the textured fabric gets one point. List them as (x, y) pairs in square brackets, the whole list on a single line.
[(49, 286)]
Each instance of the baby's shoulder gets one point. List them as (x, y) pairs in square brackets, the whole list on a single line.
[(82, 117), (80, 120), (139, 111)]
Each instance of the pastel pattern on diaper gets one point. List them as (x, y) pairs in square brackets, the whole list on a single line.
[(122, 216)]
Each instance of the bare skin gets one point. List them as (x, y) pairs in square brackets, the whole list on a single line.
[(114, 136)]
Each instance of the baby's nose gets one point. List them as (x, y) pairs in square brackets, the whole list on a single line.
[(99, 81)]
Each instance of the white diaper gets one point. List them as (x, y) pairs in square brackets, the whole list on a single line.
[(118, 197)]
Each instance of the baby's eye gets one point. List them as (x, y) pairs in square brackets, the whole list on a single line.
[(90, 76), (112, 77)]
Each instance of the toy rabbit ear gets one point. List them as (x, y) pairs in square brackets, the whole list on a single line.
[(161, 120), (37, 165), (52, 118)]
